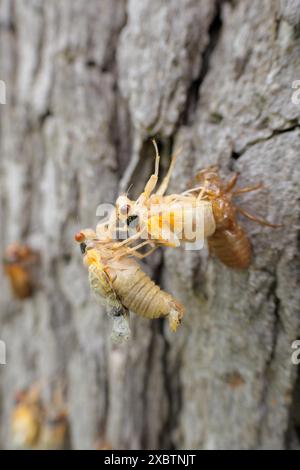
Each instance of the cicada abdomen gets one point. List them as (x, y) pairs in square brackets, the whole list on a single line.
[(231, 246), (141, 295), (121, 282)]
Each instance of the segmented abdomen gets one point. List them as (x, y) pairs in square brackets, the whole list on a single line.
[(140, 294), (232, 247)]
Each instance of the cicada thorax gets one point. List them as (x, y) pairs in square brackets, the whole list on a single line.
[(171, 220), (100, 282)]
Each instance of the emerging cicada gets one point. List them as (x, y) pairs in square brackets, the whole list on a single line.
[(206, 211), (159, 219), (117, 278), (19, 261)]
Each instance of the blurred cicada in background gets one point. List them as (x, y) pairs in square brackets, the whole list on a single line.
[(27, 418), (36, 424), (19, 262)]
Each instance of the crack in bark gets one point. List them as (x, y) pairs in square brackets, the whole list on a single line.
[(293, 429), (116, 130), (148, 367), (270, 360), (236, 155), (214, 30)]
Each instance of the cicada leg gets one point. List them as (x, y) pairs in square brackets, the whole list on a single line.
[(256, 219), (129, 240), (165, 183), (152, 182), (232, 182), (203, 191), (142, 255), (247, 189)]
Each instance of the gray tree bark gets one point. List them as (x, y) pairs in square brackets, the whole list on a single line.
[(88, 83)]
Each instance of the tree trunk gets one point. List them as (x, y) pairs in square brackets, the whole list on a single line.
[(87, 85)]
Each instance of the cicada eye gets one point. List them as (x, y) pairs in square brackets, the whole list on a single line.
[(124, 209), (83, 248), (79, 237)]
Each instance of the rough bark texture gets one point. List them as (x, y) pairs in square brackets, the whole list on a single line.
[(87, 84)]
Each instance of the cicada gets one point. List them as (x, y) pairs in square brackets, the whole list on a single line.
[(230, 242), (117, 278), (27, 418), (207, 210), (19, 261), (161, 220)]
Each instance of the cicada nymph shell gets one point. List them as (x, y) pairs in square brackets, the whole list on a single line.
[(229, 242)]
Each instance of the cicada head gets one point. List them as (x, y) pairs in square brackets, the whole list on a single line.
[(123, 207)]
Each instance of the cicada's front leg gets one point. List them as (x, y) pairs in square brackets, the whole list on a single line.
[(165, 183), (152, 182)]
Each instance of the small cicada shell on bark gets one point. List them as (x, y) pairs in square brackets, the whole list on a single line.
[(229, 242), (118, 279), (19, 264), (27, 418)]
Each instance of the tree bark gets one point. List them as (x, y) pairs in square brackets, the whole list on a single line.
[(88, 84)]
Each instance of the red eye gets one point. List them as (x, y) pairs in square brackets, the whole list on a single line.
[(79, 237)]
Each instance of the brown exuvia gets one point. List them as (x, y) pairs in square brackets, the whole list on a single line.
[(19, 261), (229, 242)]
